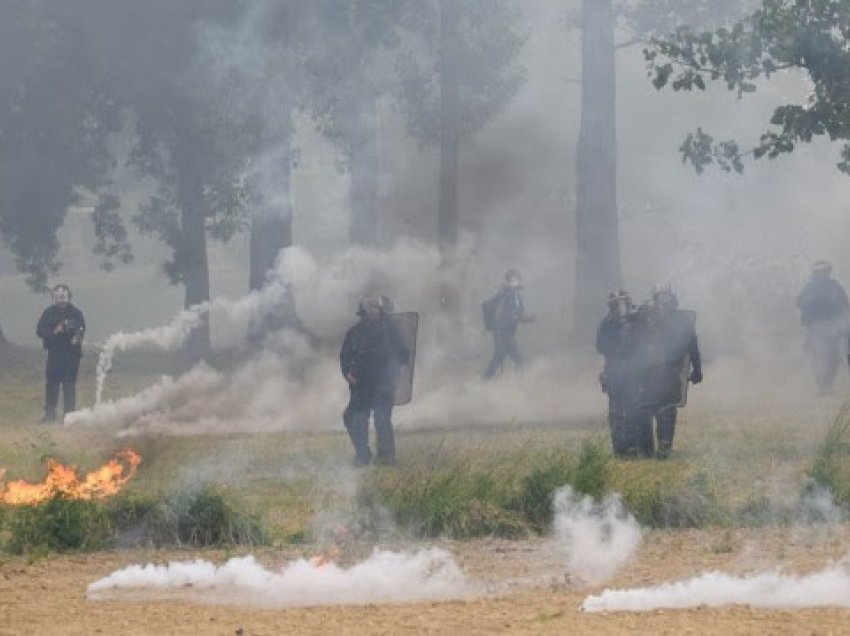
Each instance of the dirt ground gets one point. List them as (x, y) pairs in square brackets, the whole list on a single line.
[(527, 592)]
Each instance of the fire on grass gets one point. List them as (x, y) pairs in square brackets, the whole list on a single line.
[(63, 481)]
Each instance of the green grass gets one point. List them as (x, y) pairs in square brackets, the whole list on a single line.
[(729, 468)]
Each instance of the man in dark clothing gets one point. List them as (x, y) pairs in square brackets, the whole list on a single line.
[(615, 341), (502, 314), (61, 329), (824, 313), (372, 355), (669, 358)]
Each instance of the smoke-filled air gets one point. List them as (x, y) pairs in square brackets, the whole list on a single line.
[(463, 316)]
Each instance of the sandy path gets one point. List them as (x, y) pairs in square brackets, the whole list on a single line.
[(48, 596)]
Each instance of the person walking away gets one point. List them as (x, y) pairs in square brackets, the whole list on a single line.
[(503, 313)]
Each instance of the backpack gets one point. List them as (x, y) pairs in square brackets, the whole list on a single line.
[(488, 312)]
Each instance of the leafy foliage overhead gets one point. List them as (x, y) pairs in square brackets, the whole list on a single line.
[(808, 36)]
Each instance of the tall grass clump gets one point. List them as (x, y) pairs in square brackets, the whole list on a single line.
[(59, 524), (203, 518), (831, 467), (510, 497), (198, 519)]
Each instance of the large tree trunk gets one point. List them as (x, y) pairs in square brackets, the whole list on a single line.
[(364, 178), (450, 130), (271, 231), (271, 225), (598, 247), (192, 251)]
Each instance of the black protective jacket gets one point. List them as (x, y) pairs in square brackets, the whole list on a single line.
[(372, 353), (59, 345), (821, 300)]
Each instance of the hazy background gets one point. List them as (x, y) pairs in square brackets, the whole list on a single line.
[(736, 247)]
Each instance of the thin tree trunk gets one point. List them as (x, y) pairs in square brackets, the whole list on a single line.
[(2, 336), (192, 251), (271, 226), (598, 269), (364, 178), (450, 129), (271, 231)]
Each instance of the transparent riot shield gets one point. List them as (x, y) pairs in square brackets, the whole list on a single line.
[(408, 326)]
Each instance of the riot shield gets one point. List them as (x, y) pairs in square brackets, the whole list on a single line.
[(685, 370), (408, 326)]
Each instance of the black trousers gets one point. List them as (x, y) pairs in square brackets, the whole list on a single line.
[(378, 404), (61, 373), (504, 346)]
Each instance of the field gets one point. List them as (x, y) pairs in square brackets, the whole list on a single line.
[(737, 497)]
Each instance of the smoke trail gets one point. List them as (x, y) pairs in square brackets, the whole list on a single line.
[(242, 313), (598, 538), (165, 338), (385, 577), (770, 590)]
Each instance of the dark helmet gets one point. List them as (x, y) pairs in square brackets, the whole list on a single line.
[(822, 268), (375, 301), (61, 293), (513, 279), (620, 302), (664, 296)]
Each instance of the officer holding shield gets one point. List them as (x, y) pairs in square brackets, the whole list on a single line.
[(61, 329), (371, 359), (669, 359)]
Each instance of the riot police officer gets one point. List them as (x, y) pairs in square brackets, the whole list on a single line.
[(61, 329), (669, 358), (824, 313), (502, 314), (615, 341), (370, 360)]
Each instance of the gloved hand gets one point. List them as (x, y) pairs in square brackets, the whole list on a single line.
[(696, 376)]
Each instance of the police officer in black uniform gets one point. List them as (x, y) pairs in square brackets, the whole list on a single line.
[(61, 329), (370, 360), (669, 351), (615, 340), (824, 313), (502, 314)]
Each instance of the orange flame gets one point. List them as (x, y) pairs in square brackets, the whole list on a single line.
[(323, 560), (62, 480)]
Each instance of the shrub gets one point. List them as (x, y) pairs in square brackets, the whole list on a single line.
[(58, 524)]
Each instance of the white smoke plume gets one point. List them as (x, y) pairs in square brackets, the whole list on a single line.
[(291, 386), (166, 338), (829, 587), (598, 538), (385, 577)]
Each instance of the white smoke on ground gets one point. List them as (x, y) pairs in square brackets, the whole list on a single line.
[(385, 577), (771, 590), (597, 538)]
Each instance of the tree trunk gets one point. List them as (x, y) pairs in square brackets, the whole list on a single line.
[(271, 231), (192, 251), (450, 129), (598, 248), (364, 178), (271, 225), (2, 336)]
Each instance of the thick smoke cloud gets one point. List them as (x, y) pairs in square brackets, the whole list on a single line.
[(385, 577), (770, 590), (596, 538)]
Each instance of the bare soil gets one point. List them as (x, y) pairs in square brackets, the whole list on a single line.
[(528, 592)]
